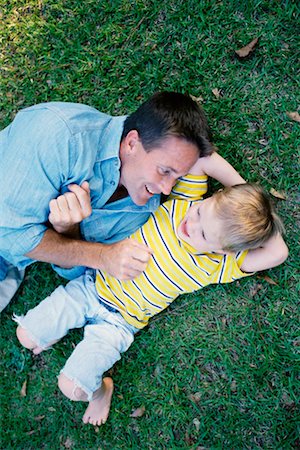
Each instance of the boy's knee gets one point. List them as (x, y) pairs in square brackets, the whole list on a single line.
[(24, 339), (70, 389)]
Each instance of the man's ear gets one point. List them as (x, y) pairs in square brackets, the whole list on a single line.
[(130, 141)]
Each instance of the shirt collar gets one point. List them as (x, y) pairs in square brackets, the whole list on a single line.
[(109, 142)]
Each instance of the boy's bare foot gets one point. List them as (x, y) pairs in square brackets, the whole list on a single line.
[(37, 350), (27, 342), (98, 409)]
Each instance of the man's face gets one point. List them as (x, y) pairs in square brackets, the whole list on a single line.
[(201, 228), (155, 172)]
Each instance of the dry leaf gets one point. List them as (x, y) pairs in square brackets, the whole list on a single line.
[(254, 290), (263, 142), (197, 99), (216, 92), (68, 443), (294, 116), (24, 388), (195, 397), (277, 194), (245, 51), (39, 417), (233, 386), (29, 433), (268, 279), (224, 321), (196, 422), (138, 412)]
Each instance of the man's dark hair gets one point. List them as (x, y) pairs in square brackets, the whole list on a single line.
[(167, 114)]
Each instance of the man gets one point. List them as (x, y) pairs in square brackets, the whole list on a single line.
[(118, 165)]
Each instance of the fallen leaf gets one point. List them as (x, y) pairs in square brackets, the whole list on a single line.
[(29, 433), (263, 142), (24, 388), (294, 116), (277, 194), (68, 443), (39, 417), (195, 397), (197, 99), (245, 51), (196, 422), (138, 412), (216, 92), (233, 386), (254, 290), (224, 321), (188, 439), (268, 279)]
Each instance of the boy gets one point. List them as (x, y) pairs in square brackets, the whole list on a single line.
[(195, 243)]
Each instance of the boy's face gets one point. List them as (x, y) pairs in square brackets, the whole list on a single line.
[(201, 228)]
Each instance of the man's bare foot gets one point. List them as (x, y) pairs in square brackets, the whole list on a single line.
[(97, 411)]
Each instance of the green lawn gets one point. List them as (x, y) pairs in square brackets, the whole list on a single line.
[(220, 368)]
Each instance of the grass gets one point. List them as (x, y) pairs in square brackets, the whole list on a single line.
[(220, 368)]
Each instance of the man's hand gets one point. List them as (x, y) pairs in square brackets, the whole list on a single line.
[(125, 259), (69, 209)]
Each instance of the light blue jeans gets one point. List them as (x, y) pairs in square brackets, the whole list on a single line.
[(106, 333)]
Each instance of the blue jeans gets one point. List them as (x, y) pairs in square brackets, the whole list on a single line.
[(106, 333)]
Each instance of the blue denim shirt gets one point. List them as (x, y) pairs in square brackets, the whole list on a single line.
[(46, 148)]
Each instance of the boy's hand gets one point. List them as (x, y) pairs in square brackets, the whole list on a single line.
[(69, 209), (125, 259)]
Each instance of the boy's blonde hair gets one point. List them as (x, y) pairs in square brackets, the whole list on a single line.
[(248, 217)]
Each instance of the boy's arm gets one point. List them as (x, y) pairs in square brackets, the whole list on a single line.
[(218, 168), (273, 252)]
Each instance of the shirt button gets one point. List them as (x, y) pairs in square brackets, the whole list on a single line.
[(112, 183)]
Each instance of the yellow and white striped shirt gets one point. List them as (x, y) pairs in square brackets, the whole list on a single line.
[(175, 267)]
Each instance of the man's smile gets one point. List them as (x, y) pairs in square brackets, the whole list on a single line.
[(149, 190)]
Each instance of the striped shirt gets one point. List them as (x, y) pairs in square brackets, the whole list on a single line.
[(175, 267)]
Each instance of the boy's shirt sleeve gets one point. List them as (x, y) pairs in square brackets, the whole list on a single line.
[(190, 188), (229, 268)]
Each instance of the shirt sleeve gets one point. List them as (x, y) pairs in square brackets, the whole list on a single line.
[(229, 268), (38, 155), (189, 187)]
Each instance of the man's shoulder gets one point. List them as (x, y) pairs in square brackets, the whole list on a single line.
[(73, 118), (67, 111)]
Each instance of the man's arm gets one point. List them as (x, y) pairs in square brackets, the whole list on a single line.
[(123, 260), (218, 168), (63, 245), (271, 254)]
